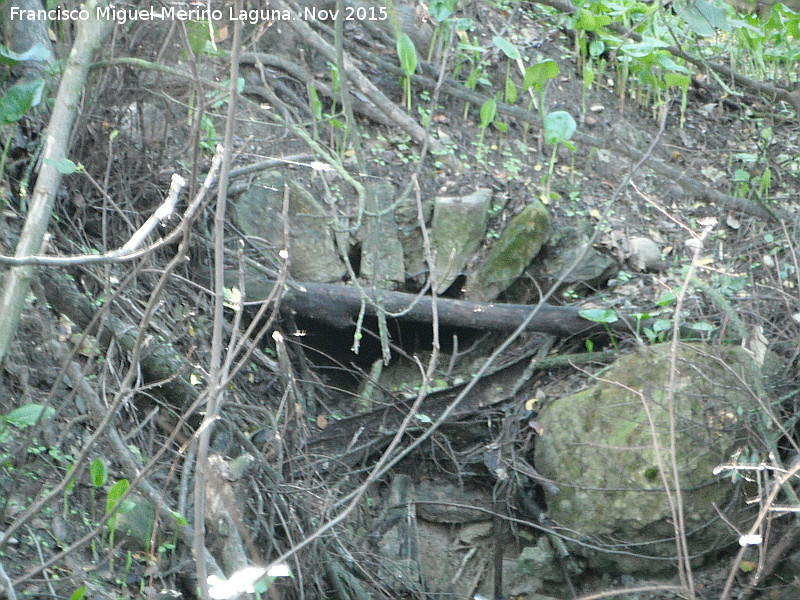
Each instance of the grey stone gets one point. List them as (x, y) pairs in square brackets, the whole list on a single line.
[(313, 256), (457, 230), (382, 259)]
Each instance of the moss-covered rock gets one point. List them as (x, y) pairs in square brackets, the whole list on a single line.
[(517, 247), (599, 444)]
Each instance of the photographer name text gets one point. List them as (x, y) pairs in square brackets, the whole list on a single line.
[(172, 13)]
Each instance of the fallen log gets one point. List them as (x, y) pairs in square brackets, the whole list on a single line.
[(337, 305)]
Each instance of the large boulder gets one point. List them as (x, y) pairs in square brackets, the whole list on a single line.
[(600, 445)]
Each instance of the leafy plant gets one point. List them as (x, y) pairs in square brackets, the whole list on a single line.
[(509, 89), (407, 54), (488, 113), (536, 77), (559, 127), (440, 11), (114, 508), (604, 316)]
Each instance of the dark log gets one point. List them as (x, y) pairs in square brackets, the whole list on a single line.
[(338, 305)]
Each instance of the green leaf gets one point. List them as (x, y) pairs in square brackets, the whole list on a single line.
[(596, 48), (660, 325), (538, 74), (559, 127), (78, 594), (589, 21), (98, 471), (599, 315), (423, 418), (28, 415), (37, 52), (666, 299), (588, 78), (198, 32), (674, 79), (115, 493), (643, 48), (316, 104), (441, 9), (335, 82), (511, 91), (702, 17), (407, 54), (463, 24), (666, 61), (509, 49), (488, 112), (179, 518), (703, 326), (473, 79), (19, 99), (63, 165)]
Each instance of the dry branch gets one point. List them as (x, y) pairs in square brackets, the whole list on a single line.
[(91, 34)]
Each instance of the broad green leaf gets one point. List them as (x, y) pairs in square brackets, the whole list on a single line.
[(473, 79), (511, 91), (666, 298), (703, 326), (316, 104), (198, 32), (681, 81), (643, 48), (538, 74), (666, 61), (179, 518), (660, 325), (463, 24), (98, 472), (509, 49), (78, 594), (488, 112), (114, 495), (19, 99), (36, 52), (28, 414), (441, 9), (599, 315), (559, 127), (407, 54), (702, 17), (596, 48), (63, 165), (588, 78), (588, 21)]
